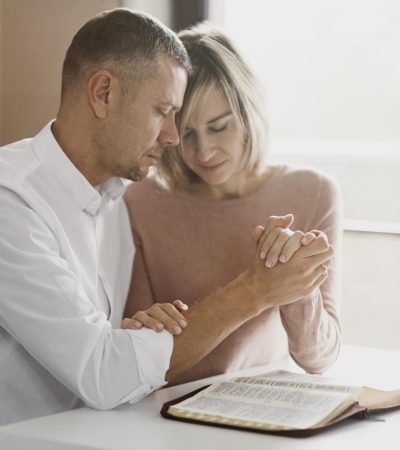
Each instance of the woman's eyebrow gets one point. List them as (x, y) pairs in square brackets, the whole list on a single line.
[(214, 119), (220, 116)]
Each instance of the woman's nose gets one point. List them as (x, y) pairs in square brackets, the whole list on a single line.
[(204, 149)]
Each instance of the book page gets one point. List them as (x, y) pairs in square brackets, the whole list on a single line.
[(300, 381), (263, 405)]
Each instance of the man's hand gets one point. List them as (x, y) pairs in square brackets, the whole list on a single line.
[(296, 279), (158, 317)]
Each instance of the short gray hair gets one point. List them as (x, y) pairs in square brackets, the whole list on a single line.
[(122, 40)]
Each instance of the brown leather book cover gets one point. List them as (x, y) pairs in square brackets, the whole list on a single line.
[(354, 411)]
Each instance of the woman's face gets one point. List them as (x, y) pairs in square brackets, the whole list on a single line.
[(213, 143)]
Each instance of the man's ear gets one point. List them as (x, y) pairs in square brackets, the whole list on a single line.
[(99, 91)]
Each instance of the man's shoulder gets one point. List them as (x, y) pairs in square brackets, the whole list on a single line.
[(19, 175), (17, 160)]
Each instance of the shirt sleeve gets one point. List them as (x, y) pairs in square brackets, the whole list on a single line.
[(312, 324), (46, 310)]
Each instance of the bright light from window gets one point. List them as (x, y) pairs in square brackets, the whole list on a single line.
[(331, 68)]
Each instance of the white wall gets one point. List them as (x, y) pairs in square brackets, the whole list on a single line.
[(35, 37)]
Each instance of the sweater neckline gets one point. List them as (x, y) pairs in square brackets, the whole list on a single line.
[(193, 198)]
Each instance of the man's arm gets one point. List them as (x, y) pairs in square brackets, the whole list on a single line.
[(210, 322), (45, 308), (257, 289)]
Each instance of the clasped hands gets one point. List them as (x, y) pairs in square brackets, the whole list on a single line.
[(276, 244)]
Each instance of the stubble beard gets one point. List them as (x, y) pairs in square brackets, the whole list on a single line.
[(136, 174)]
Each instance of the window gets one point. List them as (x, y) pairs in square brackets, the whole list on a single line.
[(332, 76)]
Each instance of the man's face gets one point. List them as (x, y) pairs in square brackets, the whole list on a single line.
[(141, 125)]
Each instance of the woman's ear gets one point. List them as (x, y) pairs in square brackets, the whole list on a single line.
[(99, 92)]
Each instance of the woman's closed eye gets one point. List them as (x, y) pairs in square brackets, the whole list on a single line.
[(219, 129), (187, 134), (212, 129)]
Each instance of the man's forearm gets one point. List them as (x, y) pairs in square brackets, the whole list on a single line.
[(211, 321)]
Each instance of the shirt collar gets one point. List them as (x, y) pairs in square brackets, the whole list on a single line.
[(89, 199)]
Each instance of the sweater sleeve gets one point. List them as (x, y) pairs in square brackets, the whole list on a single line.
[(312, 324), (140, 296)]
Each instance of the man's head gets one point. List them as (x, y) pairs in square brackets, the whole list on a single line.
[(125, 74), (126, 42)]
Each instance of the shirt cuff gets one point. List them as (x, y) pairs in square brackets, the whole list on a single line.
[(153, 354)]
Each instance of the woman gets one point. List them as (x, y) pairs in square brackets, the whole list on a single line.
[(192, 223)]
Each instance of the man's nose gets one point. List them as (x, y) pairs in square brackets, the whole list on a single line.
[(169, 134)]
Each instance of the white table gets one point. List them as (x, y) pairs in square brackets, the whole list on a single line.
[(140, 426)]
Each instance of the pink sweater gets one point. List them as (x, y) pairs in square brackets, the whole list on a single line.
[(187, 247)]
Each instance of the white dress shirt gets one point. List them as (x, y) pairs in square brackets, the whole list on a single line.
[(66, 254)]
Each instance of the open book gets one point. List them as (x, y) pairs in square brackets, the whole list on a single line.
[(279, 402)]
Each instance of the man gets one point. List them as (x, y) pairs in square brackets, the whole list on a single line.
[(65, 242)]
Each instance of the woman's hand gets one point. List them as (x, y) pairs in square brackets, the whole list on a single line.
[(158, 317), (277, 242)]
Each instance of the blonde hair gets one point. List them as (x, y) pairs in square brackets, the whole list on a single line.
[(217, 64)]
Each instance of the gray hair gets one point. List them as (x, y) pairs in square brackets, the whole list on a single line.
[(124, 41)]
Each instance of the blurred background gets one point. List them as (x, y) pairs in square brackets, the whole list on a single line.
[(331, 71)]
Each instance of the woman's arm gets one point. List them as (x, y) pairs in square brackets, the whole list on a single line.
[(140, 296), (312, 324), (141, 308)]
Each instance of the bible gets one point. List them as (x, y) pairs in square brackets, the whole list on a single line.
[(280, 402)]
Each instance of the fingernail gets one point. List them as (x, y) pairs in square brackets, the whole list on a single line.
[(176, 329), (268, 263), (183, 323), (282, 258), (159, 326), (185, 307), (262, 254)]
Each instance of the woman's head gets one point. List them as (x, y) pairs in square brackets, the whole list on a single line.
[(222, 122)]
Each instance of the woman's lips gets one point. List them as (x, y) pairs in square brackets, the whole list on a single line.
[(211, 168)]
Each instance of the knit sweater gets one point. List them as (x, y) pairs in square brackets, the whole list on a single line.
[(188, 246)]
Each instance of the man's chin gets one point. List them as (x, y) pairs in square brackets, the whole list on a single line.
[(138, 174)]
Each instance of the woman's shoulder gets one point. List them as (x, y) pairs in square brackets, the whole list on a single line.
[(302, 177), (308, 192), (145, 191)]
